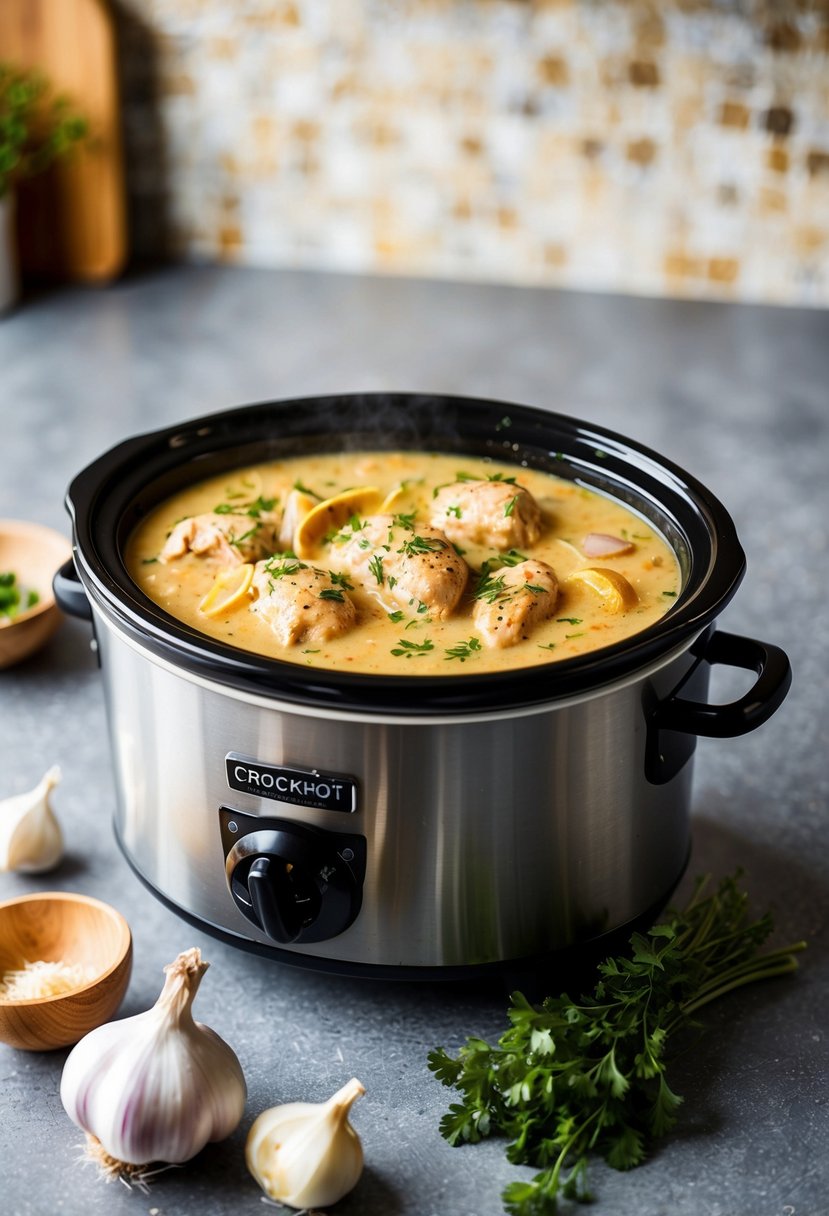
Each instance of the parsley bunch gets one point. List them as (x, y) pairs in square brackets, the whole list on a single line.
[(573, 1078)]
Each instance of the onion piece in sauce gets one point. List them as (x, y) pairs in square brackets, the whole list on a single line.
[(598, 544)]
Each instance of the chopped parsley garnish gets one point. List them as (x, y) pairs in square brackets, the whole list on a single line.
[(510, 506), (464, 650), (310, 652), (259, 505), (237, 540), (376, 568), (670, 594), (412, 650), (511, 558), (148, 561), (536, 588), (392, 582), (13, 598), (569, 620), (253, 509), (282, 564), (421, 544), (306, 490), (340, 580), (332, 593), (456, 511), (574, 635), (405, 521), (510, 481), (546, 645), (396, 617), (490, 589)]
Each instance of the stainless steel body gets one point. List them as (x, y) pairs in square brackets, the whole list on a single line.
[(487, 840)]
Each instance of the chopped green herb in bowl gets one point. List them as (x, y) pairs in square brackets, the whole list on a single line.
[(15, 598)]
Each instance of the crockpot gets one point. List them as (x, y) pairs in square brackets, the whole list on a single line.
[(408, 825)]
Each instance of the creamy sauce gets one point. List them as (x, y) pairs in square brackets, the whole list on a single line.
[(394, 638)]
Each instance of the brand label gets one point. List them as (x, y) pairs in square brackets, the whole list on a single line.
[(299, 786)]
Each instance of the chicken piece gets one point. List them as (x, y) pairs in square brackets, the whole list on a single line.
[(512, 602), (417, 566), (301, 603), (497, 513), (230, 537)]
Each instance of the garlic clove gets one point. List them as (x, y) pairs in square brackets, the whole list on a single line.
[(157, 1086), (307, 1154), (30, 837)]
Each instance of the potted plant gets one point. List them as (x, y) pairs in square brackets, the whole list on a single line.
[(36, 129)]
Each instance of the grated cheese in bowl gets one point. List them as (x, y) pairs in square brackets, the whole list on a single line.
[(39, 979)]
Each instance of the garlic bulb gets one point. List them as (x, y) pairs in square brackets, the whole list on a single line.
[(307, 1154), (30, 835), (157, 1086)]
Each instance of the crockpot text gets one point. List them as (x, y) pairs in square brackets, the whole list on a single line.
[(328, 791)]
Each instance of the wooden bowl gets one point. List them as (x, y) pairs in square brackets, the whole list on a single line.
[(58, 926), (33, 553)]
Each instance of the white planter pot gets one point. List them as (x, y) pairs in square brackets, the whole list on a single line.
[(9, 282)]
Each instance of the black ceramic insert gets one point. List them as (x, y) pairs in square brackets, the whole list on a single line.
[(108, 498)]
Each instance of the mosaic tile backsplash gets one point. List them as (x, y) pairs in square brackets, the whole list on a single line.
[(677, 148)]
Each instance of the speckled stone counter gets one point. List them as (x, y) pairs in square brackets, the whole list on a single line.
[(738, 396)]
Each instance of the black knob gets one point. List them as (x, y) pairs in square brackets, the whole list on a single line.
[(294, 883), (285, 899)]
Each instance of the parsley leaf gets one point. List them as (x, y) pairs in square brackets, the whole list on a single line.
[(305, 490), (511, 558), (410, 650), (340, 580), (421, 544), (491, 588), (463, 650), (570, 1079), (282, 564), (405, 521)]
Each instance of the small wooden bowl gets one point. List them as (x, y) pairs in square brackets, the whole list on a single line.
[(33, 553), (57, 926)]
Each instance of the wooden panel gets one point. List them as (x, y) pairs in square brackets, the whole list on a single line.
[(72, 219)]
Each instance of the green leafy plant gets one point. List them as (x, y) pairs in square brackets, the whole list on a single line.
[(570, 1079), (36, 128)]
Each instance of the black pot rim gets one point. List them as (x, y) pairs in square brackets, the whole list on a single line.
[(110, 495)]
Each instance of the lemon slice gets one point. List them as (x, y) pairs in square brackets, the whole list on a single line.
[(617, 595), (332, 514), (394, 497), (228, 591)]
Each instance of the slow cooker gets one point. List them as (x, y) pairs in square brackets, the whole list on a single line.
[(419, 826)]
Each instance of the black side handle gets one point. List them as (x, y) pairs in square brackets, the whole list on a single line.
[(774, 678), (69, 592), (675, 722)]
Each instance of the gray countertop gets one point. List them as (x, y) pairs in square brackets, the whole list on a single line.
[(738, 396)]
